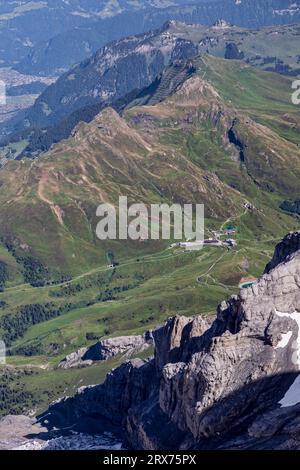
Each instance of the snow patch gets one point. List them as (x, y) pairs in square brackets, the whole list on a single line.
[(285, 339), (296, 345), (292, 396)]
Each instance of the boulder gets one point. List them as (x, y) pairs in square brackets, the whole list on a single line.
[(107, 348)]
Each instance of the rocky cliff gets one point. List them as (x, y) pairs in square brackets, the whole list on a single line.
[(232, 384)]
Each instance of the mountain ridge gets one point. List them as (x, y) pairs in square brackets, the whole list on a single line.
[(159, 145), (88, 87), (127, 19)]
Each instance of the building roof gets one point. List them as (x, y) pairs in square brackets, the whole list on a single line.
[(244, 280)]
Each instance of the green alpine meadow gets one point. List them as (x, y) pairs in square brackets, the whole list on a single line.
[(150, 344)]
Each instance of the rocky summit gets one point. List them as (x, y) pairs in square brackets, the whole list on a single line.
[(231, 384)]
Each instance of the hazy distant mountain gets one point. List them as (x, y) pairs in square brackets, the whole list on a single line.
[(48, 37), (26, 25), (123, 68)]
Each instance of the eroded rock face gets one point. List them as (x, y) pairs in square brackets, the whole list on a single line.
[(241, 351), (284, 250), (232, 384), (74, 359), (111, 347), (107, 348)]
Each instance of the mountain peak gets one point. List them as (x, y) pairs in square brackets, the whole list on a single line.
[(285, 250)]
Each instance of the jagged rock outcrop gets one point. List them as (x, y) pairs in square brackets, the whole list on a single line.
[(284, 250), (177, 339), (233, 384), (75, 359), (107, 348)]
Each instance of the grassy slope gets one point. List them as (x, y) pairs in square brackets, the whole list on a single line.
[(176, 150)]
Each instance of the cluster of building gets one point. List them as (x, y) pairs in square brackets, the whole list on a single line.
[(197, 245)]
